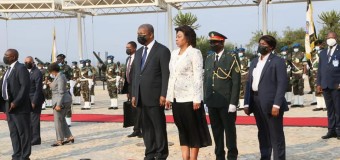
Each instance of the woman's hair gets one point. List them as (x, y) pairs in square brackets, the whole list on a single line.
[(53, 67), (189, 34), (270, 40)]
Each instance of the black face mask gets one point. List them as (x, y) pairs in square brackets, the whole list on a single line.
[(29, 65), (142, 39), (262, 49), (215, 47), (128, 51), (6, 61)]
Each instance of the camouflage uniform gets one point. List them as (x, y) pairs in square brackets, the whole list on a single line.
[(120, 75), (111, 79), (87, 74), (2, 71), (92, 70), (46, 87), (288, 59), (75, 76), (317, 97), (244, 69), (298, 66)]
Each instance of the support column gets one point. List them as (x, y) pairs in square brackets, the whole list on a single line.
[(264, 17), (80, 36), (170, 28)]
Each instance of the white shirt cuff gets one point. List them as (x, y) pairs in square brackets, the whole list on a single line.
[(246, 106), (232, 108), (276, 106)]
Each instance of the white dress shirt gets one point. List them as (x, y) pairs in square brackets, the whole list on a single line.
[(332, 51), (7, 74), (150, 45), (186, 76)]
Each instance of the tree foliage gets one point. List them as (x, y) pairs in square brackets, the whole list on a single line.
[(188, 19), (331, 22)]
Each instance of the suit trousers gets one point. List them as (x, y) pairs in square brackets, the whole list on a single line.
[(20, 132), (332, 99), (270, 133), (61, 127), (222, 123), (35, 127), (138, 119), (154, 132)]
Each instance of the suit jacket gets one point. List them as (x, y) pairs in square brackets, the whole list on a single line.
[(329, 75), (36, 93), (272, 86), (151, 82), (60, 94), (18, 87), (128, 86), (221, 92)]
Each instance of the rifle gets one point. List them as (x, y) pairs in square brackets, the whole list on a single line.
[(38, 60)]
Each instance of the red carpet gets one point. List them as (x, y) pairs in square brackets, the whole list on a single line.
[(241, 120)]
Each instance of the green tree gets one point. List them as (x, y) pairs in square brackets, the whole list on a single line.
[(291, 36), (202, 43), (186, 19), (331, 22)]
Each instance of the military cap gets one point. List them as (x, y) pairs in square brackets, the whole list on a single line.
[(88, 61), (284, 48), (74, 62), (82, 61), (61, 55), (215, 36), (110, 57), (241, 50), (296, 45), (47, 63)]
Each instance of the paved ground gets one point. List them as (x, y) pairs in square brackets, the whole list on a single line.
[(108, 141)]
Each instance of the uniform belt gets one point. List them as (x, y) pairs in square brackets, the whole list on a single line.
[(256, 93)]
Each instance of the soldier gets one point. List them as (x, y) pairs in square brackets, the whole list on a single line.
[(86, 83), (92, 73), (288, 59), (120, 79), (111, 79), (320, 101), (76, 80), (298, 76), (244, 65), (2, 71), (46, 87)]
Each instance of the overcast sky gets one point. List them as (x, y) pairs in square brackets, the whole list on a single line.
[(111, 33)]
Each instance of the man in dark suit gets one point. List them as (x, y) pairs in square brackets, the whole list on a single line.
[(328, 82), (130, 51), (36, 97), (222, 80), (15, 91), (265, 97), (150, 84)]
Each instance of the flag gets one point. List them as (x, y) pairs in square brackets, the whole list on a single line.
[(310, 30), (54, 47)]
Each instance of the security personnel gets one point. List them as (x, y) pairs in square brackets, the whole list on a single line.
[(92, 75), (298, 69), (222, 80), (111, 79), (244, 65), (47, 79), (76, 80), (317, 96), (288, 59)]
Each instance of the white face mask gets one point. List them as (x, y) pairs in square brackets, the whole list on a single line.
[(284, 53), (52, 76), (87, 64), (109, 61), (240, 54), (45, 67), (296, 49), (317, 48), (259, 54), (331, 42)]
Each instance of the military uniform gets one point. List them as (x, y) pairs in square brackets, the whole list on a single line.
[(288, 59), (298, 66), (92, 71), (244, 69), (46, 86), (120, 79), (75, 83), (111, 79), (2, 71), (87, 74)]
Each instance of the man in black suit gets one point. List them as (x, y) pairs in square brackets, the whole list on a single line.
[(15, 91), (265, 97), (150, 84), (130, 51), (328, 83), (36, 97)]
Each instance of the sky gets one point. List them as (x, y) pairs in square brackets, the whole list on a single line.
[(111, 33)]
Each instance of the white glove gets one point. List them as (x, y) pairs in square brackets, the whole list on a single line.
[(304, 76), (45, 86), (232, 108)]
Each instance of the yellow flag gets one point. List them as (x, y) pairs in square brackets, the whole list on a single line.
[(310, 30)]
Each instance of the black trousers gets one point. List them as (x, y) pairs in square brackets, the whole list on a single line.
[(138, 119), (20, 132), (270, 133), (222, 123), (332, 99), (154, 132), (35, 127)]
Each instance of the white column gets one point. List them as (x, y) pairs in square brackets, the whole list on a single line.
[(170, 29), (80, 37), (264, 17)]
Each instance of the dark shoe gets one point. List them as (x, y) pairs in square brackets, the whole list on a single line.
[(294, 106), (329, 135), (338, 137), (76, 103), (325, 109), (43, 108), (69, 126), (35, 143), (240, 109), (289, 103), (314, 103), (83, 108), (135, 134), (310, 92), (69, 140), (57, 144), (317, 109)]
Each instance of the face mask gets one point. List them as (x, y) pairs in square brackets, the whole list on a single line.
[(45, 67), (263, 50), (109, 61), (60, 64), (6, 61), (259, 54), (41, 67), (317, 48), (52, 76), (73, 66), (128, 51), (284, 53), (29, 65), (331, 42), (82, 65), (215, 47), (296, 49), (1, 69), (87, 64), (240, 54), (142, 39)]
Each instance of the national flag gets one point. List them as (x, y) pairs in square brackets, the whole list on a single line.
[(310, 30)]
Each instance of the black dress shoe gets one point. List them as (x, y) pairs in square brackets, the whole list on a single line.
[(328, 136), (71, 140), (35, 143), (83, 108), (57, 144), (314, 103), (240, 109), (317, 109), (135, 134)]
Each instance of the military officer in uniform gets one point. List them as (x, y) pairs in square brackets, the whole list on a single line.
[(111, 79), (244, 65), (47, 79), (76, 80), (222, 80), (298, 76), (92, 74), (120, 79), (288, 60)]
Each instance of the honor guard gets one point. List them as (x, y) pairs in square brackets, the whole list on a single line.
[(288, 59), (76, 80), (111, 79), (298, 76), (92, 73), (120, 79), (47, 79), (244, 68)]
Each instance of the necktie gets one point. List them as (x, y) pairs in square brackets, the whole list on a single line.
[(4, 85), (128, 70), (216, 60), (329, 53), (144, 57)]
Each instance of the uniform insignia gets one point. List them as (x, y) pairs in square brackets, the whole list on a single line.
[(237, 70)]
